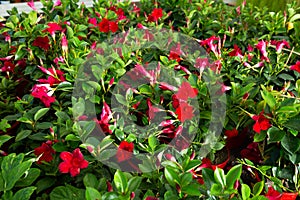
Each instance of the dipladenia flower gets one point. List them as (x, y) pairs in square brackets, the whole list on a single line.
[(52, 28), (72, 162), (31, 5), (236, 52), (261, 122), (105, 26), (55, 76), (64, 44), (186, 91), (45, 151), (42, 42), (124, 151), (296, 66), (44, 93), (105, 117), (280, 45), (262, 46), (155, 15)]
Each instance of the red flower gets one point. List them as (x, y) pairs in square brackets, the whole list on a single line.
[(236, 52), (175, 53), (209, 42), (261, 123), (289, 196), (52, 27), (273, 194), (296, 67), (186, 91), (55, 76), (105, 26), (46, 151), (8, 67), (43, 92), (280, 45), (72, 162), (155, 15), (124, 151), (184, 111), (64, 43), (231, 133), (202, 63), (252, 152), (93, 21), (151, 198), (42, 42)]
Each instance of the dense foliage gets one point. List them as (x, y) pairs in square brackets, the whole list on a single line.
[(168, 99)]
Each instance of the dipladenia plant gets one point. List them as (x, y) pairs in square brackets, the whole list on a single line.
[(124, 100)]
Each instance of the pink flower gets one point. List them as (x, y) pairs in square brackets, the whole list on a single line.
[(72, 162), (64, 43), (55, 76), (261, 123), (175, 52), (105, 117), (184, 111), (209, 42), (202, 63), (296, 67), (31, 5), (186, 91), (280, 45), (166, 86), (124, 151), (262, 46), (58, 59), (140, 26), (93, 21), (43, 92)]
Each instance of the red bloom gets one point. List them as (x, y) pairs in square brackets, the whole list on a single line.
[(184, 111), (8, 67), (289, 196), (175, 101), (46, 151), (280, 45), (42, 42), (273, 194), (93, 21), (252, 152), (175, 52), (151, 198), (52, 27), (72, 162), (262, 46), (236, 52), (55, 76), (186, 91), (105, 26), (296, 67), (261, 123), (231, 133), (43, 92), (124, 151), (209, 42), (202, 63), (155, 15)]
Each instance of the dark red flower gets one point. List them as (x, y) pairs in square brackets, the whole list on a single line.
[(296, 67), (186, 91), (45, 151), (175, 52), (124, 151), (231, 133), (105, 117), (261, 123), (52, 27), (43, 92), (273, 194), (42, 42), (113, 26), (155, 15), (184, 111), (8, 67), (72, 162), (252, 152), (151, 198)]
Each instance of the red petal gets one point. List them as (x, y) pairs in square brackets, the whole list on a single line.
[(66, 156), (74, 171), (64, 167)]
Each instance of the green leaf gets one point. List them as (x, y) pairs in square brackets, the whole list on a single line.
[(40, 113), (90, 180), (268, 97), (275, 134), (258, 137), (216, 189), (92, 194), (220, 177), (120, 98), (32, 17), (171, 176), (290, 143), (186, 179), (43, 125), (67, 193), (295, 17), (246, 191), (23, 134), (134, 183), (13, 168), (120, 181), (208, 177), (44, 183), (192, 164), (258, 188), (233, 175), (4, 138), (24, 194), (31, 176), (153, 142), (192, 189), (293, 123)]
